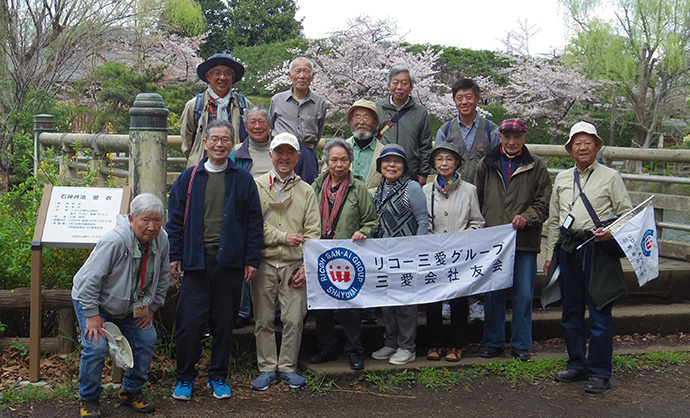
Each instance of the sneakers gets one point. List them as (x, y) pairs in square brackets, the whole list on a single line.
[(445, 311), (294, 380), (383, 353), (90, 409), (135, 400), (264, 380), (477, 311), (183, 390), (221, 390), (402, 356)]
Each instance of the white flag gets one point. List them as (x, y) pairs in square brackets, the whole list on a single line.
[(637, 237), (343, 274)]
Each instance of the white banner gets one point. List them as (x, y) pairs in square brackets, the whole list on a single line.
[(342, 274), (637, 237)]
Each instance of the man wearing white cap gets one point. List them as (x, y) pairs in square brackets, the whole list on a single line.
[(291, 215), (218, 101), (124, 281), (585, 198)]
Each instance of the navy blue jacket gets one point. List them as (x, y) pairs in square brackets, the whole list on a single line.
[(242, 229)]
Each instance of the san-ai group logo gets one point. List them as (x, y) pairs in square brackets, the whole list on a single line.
[(341, 273), (647, 243)]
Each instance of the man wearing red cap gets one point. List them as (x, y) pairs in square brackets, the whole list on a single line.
[(219, 101), (513, 186)]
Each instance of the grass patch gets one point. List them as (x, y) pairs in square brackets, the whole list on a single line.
[(319, 384), (517, 372), (20, 394)]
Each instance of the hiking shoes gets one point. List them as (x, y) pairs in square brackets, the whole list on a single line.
[(135, 400)]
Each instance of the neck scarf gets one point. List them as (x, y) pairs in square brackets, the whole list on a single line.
[(221, 102), (444, 184), (328, 212)]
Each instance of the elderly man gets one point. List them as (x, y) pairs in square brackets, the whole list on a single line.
[(124, 281), (301, 112), (252, 155), (472, 133), (513, 186), (363, 119), (585, 198), (290, 215), (405, 122), (219, 101), (216, 235)]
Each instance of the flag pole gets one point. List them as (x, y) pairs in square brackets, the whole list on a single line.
[(617, 221)]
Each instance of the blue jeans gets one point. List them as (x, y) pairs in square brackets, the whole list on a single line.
[(143, 343), (524, 276), (574, 280)]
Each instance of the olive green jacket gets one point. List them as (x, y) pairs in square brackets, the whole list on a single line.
[(357, 213)]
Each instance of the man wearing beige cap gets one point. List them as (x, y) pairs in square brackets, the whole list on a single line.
[(586, 198), (291, 215), (364, 120)]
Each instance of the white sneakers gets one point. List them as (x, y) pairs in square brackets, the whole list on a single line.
[(383, 353), (397, 357), (445, 312), (477, 311), (402, 356)]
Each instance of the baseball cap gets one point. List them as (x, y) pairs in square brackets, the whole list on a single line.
[(120, 350), (285, 139), (514, 124)]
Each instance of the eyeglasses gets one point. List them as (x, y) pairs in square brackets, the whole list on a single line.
[(256, 121), (358, 118), (227, 74), (224, 139)]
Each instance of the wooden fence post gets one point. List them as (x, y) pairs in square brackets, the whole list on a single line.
[(42, 123), (148, 145)]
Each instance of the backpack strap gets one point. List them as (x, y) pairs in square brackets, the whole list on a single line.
[(198, 110), (447, 128), (189, 192), (242, 105)]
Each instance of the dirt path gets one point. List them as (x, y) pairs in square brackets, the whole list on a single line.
[(650, 393)]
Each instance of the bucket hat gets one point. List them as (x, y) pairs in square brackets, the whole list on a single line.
[(391, 149), (120, 350), (221, 58)]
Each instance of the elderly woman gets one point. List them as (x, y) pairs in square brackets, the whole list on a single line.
[(347, 211), (453, 206), (401, 206)]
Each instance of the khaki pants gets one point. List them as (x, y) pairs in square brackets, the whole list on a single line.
[(271, 284)]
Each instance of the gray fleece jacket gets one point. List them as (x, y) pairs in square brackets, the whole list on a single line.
[(104, 282)]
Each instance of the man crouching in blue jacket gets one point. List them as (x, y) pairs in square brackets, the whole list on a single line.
[(124, 281), (215, 226)]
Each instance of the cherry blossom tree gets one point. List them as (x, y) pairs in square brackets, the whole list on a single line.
[(542, 90), (353, 64)]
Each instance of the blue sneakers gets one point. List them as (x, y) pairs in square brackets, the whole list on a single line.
[(221, 390), (183, 390), (293, 379), (264, 380)]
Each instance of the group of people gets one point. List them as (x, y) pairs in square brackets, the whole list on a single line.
[(253, 193)]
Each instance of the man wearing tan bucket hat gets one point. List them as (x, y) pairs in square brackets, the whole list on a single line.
[(363, 119)]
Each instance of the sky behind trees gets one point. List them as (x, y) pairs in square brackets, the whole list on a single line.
[(474, 25)]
